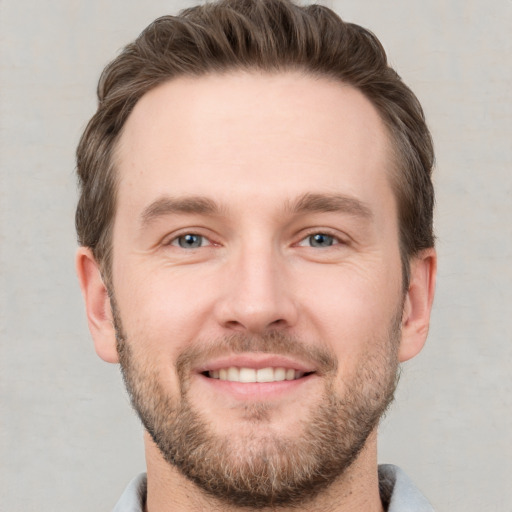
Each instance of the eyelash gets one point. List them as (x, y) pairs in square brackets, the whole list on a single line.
[(336, 240), (175, 240)]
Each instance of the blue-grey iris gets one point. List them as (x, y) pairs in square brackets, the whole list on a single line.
[(321, 240), (190, 241)]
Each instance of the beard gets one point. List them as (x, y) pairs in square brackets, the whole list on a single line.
[(258, 467)]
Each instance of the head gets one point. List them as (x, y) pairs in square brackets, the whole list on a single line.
[(256, 205), (237, 35)]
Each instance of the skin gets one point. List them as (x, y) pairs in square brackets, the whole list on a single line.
[(255, 145)]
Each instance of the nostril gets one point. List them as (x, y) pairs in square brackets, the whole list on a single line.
[(233, 324)]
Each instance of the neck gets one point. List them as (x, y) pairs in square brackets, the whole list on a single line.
[(357, 490)]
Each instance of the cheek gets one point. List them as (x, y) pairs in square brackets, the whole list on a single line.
[(162, 310), (352, 306)]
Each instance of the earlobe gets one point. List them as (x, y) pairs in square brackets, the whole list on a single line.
[(97, 305), (418, 304)]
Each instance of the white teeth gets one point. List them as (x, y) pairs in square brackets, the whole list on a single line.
[(269, 374), (233, 374), (279, 374), (247, 375), (266, 375)]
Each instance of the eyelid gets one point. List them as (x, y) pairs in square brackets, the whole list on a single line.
[(205, 242), (339, 239), (171, 239)]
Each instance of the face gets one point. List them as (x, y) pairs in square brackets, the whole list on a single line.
[(257, 279)]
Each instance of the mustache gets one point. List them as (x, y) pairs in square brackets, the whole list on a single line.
[(274, 342)]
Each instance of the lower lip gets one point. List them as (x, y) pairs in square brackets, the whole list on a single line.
[(256, 390)]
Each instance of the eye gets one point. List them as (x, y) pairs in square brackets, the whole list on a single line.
[(190, 241), (320, 240)]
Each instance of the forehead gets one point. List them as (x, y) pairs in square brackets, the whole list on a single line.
[(253, 135)]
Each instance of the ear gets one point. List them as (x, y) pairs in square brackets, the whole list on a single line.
[(418, 304), (97, 305)]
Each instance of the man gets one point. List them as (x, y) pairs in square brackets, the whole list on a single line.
[(255, 225)]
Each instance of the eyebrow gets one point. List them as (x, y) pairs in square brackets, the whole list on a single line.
[(307, 203), (319, 203), (169, 205)]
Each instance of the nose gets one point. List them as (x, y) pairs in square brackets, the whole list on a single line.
[(258, 293)]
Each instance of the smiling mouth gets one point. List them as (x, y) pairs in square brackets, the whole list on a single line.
[(249, 375)]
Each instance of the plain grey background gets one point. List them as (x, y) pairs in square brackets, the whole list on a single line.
[(68, 439)]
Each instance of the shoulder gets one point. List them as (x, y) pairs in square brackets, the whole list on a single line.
[(398, 493), (134, 496)]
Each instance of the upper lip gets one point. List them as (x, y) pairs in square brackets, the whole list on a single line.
[(256, 361)]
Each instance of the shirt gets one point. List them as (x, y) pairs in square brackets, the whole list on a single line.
[(398, 493)]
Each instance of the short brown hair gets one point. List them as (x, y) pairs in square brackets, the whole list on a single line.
[(267, 35)]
